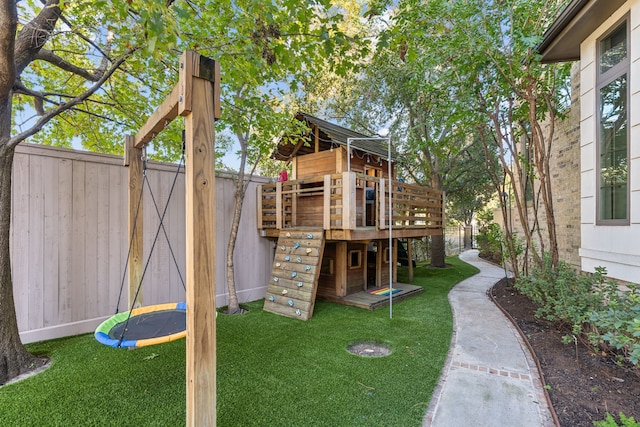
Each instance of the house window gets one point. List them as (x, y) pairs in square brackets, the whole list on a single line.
[(613, 140)]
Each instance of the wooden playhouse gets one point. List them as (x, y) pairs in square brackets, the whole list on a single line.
[(331, 220)]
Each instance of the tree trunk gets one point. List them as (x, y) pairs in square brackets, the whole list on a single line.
[(437, 251), (14, 358), (437, 242), (233, 306)]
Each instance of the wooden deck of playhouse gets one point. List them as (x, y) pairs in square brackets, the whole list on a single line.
[(370, 301)]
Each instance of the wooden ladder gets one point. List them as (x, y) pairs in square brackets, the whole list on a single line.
[(294, 276)]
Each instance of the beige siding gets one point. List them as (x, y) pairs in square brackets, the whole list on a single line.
[(69, 240)]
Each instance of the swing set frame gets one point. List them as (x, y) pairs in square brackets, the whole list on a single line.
[(196, 97)]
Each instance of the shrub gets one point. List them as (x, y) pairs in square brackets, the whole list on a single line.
[(609, 421), (563, 295), (618, 323), (489, 241), (590, 305), (489, 238)]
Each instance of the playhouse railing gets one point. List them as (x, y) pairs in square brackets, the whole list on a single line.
[(347, 201)]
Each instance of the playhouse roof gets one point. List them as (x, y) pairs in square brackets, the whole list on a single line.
[(330, 135), (561, 41)]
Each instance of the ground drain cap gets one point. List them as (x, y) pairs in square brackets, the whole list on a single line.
[(369, 349)]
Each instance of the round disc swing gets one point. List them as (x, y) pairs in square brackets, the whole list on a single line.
[(149, 325)]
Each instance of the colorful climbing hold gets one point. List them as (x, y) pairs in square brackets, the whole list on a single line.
[(308, 250), (272, 298), (299, 259), (288, 234), (284, 292), (296, 246), (294, 274), (283, 247), (309, 236), (307, 267), (298, 312), (275, 279), (291, 303), (299, 284), (287, 258), (277, 264)]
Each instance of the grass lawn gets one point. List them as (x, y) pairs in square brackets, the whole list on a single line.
[(271, 370)]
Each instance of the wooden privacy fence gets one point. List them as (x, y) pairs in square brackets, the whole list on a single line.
[(69, 240)]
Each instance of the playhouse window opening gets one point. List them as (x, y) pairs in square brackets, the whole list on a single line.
[(355, 259), (327, 266)]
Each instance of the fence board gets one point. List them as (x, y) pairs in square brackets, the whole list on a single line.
[(35, 256), (64, 239), (20, 239), (50, 245)]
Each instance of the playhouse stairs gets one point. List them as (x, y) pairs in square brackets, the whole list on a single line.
[(294, 276)]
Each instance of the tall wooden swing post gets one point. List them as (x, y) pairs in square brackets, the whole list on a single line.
[(197, 98)]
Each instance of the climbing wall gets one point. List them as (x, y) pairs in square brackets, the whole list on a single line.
[(294, 276)]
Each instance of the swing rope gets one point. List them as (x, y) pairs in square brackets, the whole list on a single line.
[(160, 227)]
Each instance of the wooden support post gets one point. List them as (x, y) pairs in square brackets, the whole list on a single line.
[(294, 204), (341, 269), (348, 200), (197, 98), (279, 213), (382, 224), (410, 256), (135, 267), (394, 266), (379, 262), (259, 204), (326, 220), (365, 264), (200, 256)]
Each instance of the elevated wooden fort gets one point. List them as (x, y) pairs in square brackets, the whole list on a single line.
[(341, 199)]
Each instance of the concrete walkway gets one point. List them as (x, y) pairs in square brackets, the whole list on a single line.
[(489, 378)]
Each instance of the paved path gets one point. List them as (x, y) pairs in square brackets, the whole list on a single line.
[(489, 378)]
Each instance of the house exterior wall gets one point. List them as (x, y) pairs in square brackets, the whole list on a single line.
[(565, 176), (69, 240), (614, 247)]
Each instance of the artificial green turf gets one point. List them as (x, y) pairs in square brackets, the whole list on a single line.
[(271, 370)]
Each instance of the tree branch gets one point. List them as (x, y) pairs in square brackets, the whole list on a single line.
[(52, 58), (35, 34), (43, 120)]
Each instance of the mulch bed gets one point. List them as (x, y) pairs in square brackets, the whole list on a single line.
[(583, 385)]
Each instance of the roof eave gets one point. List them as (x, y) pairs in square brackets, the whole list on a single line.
[(561, 42)]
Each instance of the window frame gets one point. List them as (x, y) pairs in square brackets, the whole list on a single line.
[(358, 256), (602, 80)]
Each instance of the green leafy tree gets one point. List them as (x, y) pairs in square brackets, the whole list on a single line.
[(483, 53), (468, 185), (64, 61), (403, 87)]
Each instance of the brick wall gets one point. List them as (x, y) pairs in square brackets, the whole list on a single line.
[(565, 176)]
